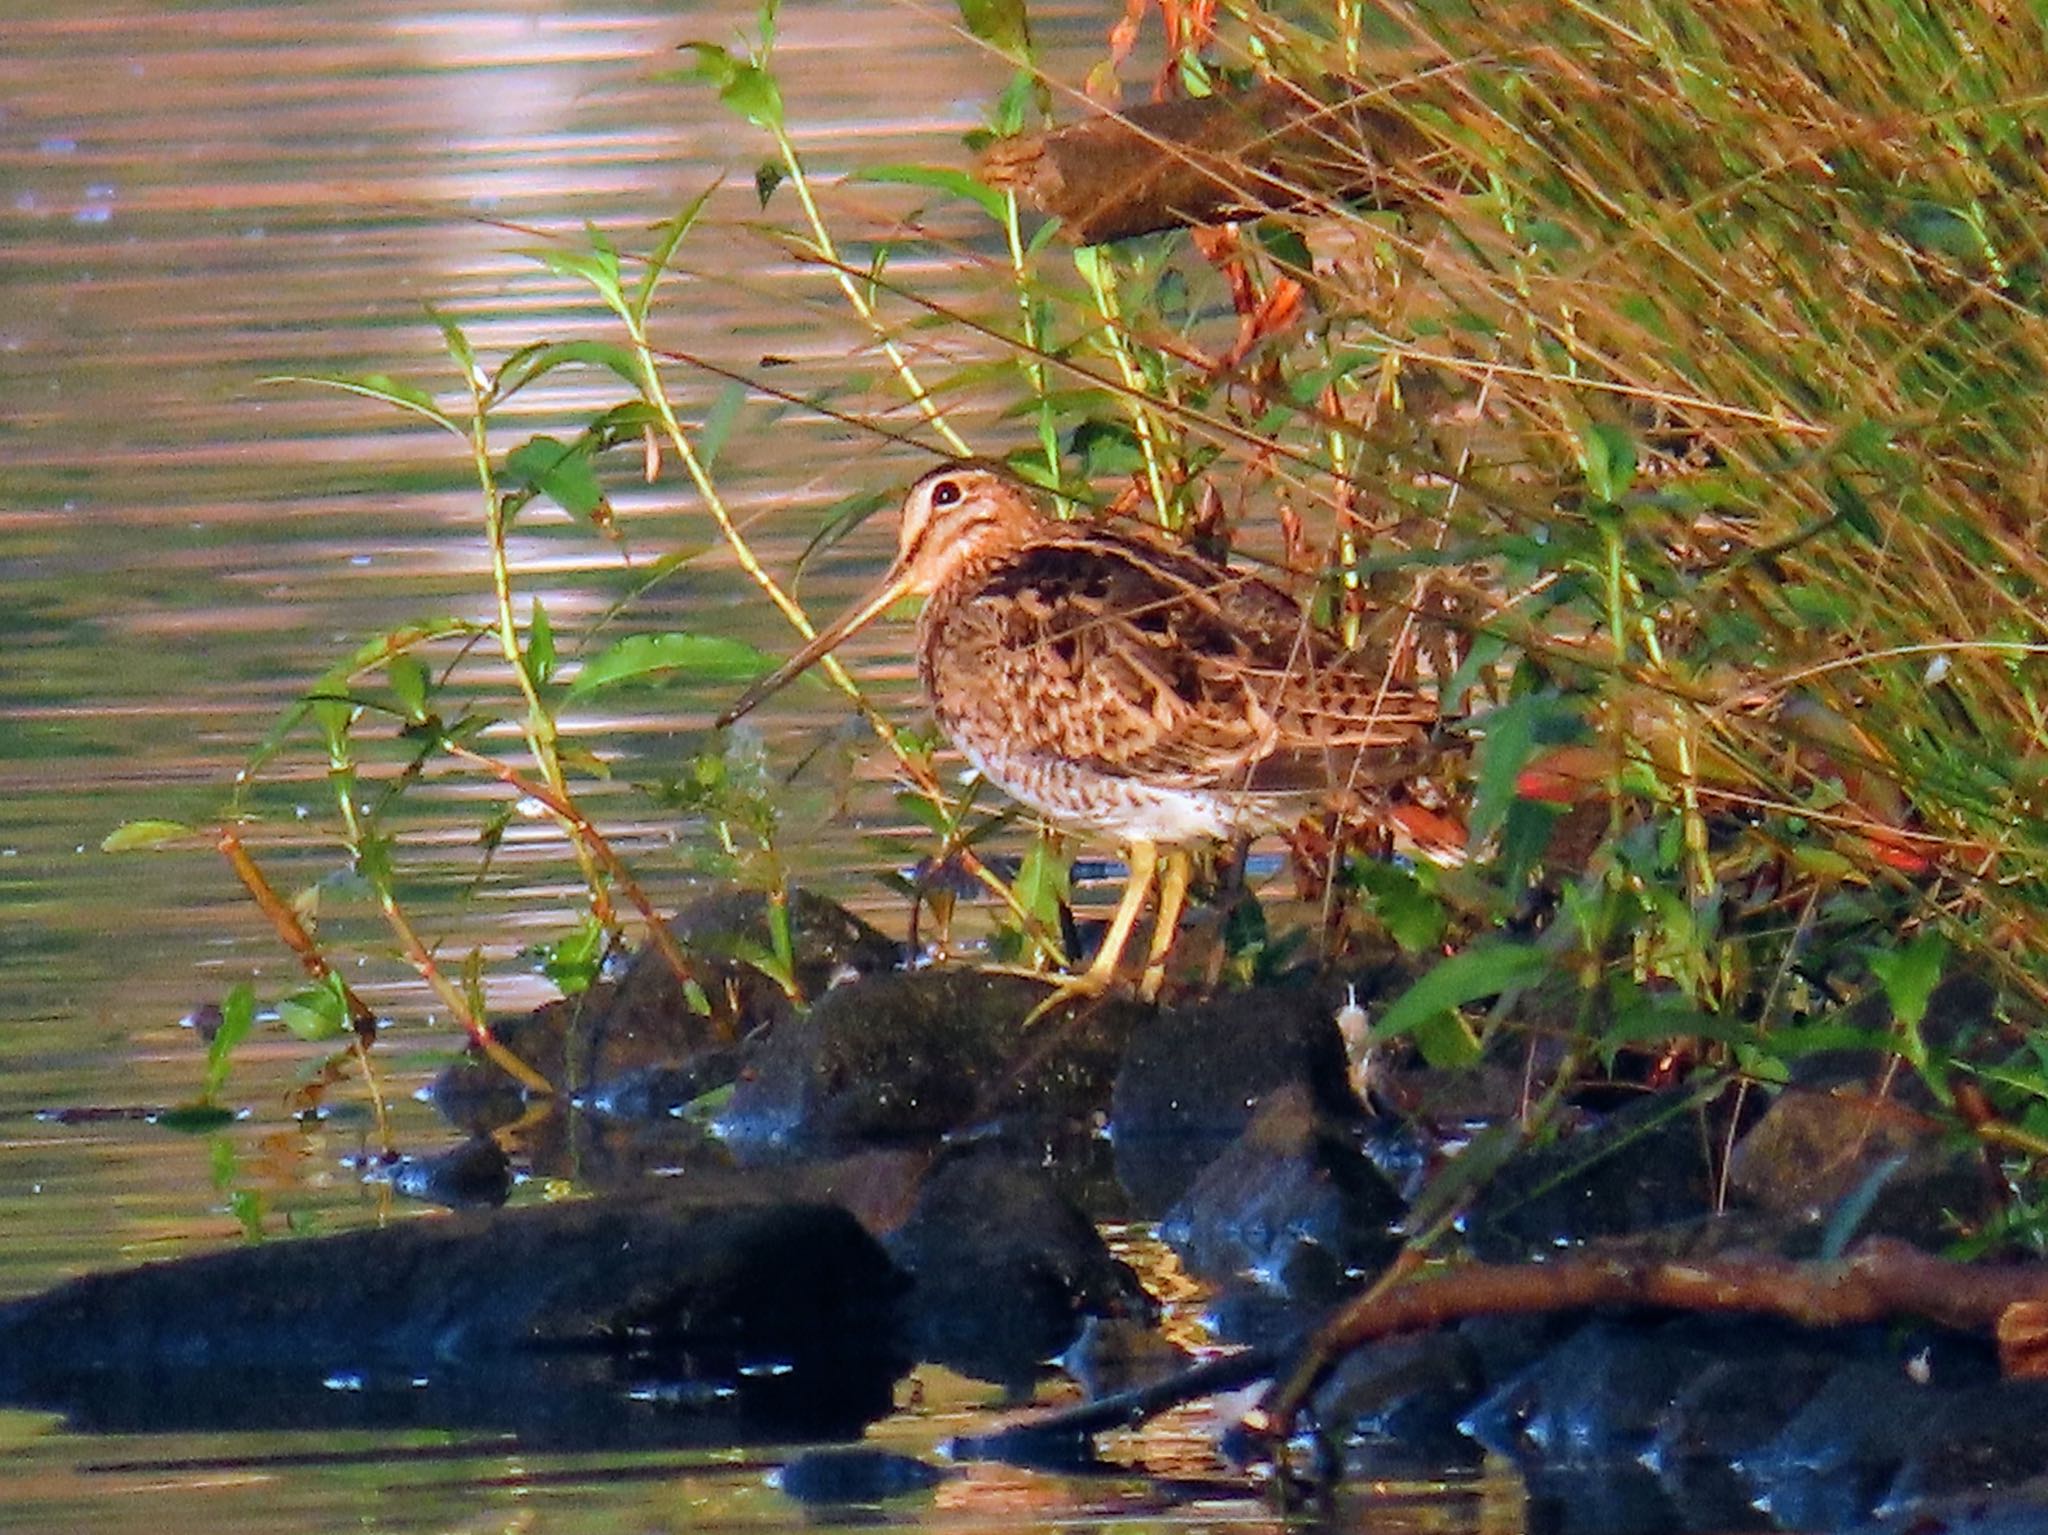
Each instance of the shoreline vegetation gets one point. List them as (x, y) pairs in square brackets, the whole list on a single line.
[(1662, 388)]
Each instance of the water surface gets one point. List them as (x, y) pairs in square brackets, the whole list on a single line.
[(193, 198)]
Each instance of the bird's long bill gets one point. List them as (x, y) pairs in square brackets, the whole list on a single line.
[(891, 587)]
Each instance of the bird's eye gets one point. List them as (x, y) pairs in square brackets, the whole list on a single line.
[(945, 493)]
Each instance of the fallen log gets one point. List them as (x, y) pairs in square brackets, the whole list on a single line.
[(1232, 156), (1880, 1279)]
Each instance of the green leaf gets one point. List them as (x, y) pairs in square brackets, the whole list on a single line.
[(752, 93), (540, 646), (669, 236), (741, 84), (1510, 736), (1445, 1041), (1486, 971), (1003, 24), (598, 266), (411, 681), (541, 358), (1608, 455), (374, 862), (932, 817), (132, 835), (653, 657), (937, 178), (378, 386), (1042, 882), (713, 65), (1411, 914), (459, 348), (560, 471), (316, 1012), (573, 961), (237, 1018), (1910, 974), (718, 422)]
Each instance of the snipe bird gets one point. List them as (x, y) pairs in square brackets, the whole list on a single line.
[(1121, 685)]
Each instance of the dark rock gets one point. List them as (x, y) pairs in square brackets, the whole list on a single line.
[(1830, 1464), (1607, 1500), (616, 1320), (1292, 1203), (1118, 1353), (1595, 1400), (1813, 1152), (2021, 1510), (1647, 1165), (1984, 1438), (1961, 1016), (645, 1019), (861, 1474), (1766, 1374), (1193, 1077), (1395, 1407), (909, 1057), (1004, 1270), (1507, 1345), (663, 1091), (1252, 1316), (475, 1173)]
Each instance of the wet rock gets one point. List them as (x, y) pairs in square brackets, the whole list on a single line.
[(1118, 1353), (1610, 1500), (2021, 1510), (1982, 1438), (909, 1057), (1643, 1166), (1830, 1464), (1293, 1203), (1595, 1400), (1396, 1406), (1766, 1373), (862, 1474), (475, 1173), (1813, 1152), (666, 1090), (652, 1320), (1004, 1270), (1961, 1017), (1193, 1077), (646, 1020)]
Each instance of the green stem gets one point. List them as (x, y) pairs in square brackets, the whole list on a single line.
[(1093, 266)]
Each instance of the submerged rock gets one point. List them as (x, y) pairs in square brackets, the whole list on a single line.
[(475, 1173), (857, 1476), (1004, 1271), (667, 1320)]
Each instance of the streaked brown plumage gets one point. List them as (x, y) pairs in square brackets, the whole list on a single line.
[(1122, 685)]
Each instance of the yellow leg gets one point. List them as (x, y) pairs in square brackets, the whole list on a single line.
[(1101, 972), (1173, 894), (1144, 862)]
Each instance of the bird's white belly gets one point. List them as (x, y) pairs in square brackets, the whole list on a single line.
[(1125, 809)]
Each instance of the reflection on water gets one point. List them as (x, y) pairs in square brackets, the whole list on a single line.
[(195, 197)]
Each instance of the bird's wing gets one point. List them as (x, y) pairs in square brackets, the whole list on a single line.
[(1149, 662)]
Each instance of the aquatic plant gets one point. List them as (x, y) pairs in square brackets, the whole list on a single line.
[(1662, 384)]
